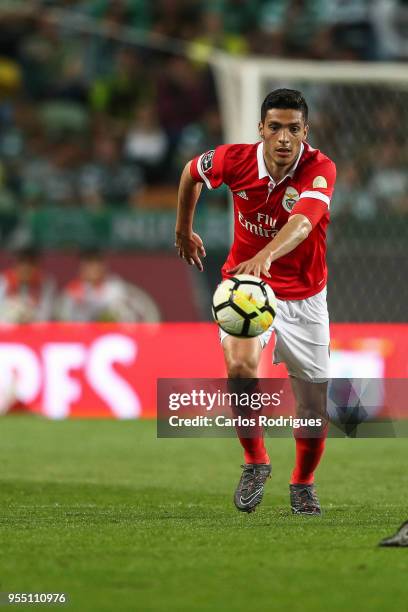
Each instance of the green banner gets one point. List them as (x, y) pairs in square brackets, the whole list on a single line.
[(61, 228), (145, 230)]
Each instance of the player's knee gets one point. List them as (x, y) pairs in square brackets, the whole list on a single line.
[(239, 368), (311, 411), (304, 411)]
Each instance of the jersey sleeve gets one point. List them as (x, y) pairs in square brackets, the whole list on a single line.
[(316, 191), (209, 168)]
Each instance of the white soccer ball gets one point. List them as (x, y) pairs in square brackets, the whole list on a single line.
[(244, 306)]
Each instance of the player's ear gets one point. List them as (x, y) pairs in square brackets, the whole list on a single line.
[(306, 131), (260, 128)]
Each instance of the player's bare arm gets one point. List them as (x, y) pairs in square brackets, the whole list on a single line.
[(288, 238), (189, 245)]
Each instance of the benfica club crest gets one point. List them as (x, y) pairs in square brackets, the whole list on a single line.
[(290, 198)]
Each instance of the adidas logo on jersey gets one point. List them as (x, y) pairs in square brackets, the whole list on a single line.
[(242, 194)]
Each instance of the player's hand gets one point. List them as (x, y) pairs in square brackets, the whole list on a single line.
[(191, 248), (257, 266)]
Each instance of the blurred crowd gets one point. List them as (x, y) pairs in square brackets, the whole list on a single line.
[(28, 294), (91, 120)]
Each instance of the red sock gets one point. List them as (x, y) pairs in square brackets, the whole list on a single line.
[(308, 454), (254, 447), (255, 451)]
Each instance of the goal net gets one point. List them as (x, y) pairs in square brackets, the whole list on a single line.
[(359, 117)]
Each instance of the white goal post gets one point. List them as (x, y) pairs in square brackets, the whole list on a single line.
[(241, 84)]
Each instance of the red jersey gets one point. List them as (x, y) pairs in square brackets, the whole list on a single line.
[(262, 207)]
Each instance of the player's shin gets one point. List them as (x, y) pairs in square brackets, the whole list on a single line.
[(309, 452), (249, 432), (310, 437)]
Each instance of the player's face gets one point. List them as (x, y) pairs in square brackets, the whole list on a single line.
[(92, 271), (283, 132)]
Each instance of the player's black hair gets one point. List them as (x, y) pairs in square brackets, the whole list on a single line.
[(285, 98)]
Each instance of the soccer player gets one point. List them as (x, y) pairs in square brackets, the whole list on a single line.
[(281, 188)]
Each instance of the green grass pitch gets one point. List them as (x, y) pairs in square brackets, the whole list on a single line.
[(120, 521)]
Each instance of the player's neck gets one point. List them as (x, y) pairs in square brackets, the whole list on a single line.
[(275, 171)]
